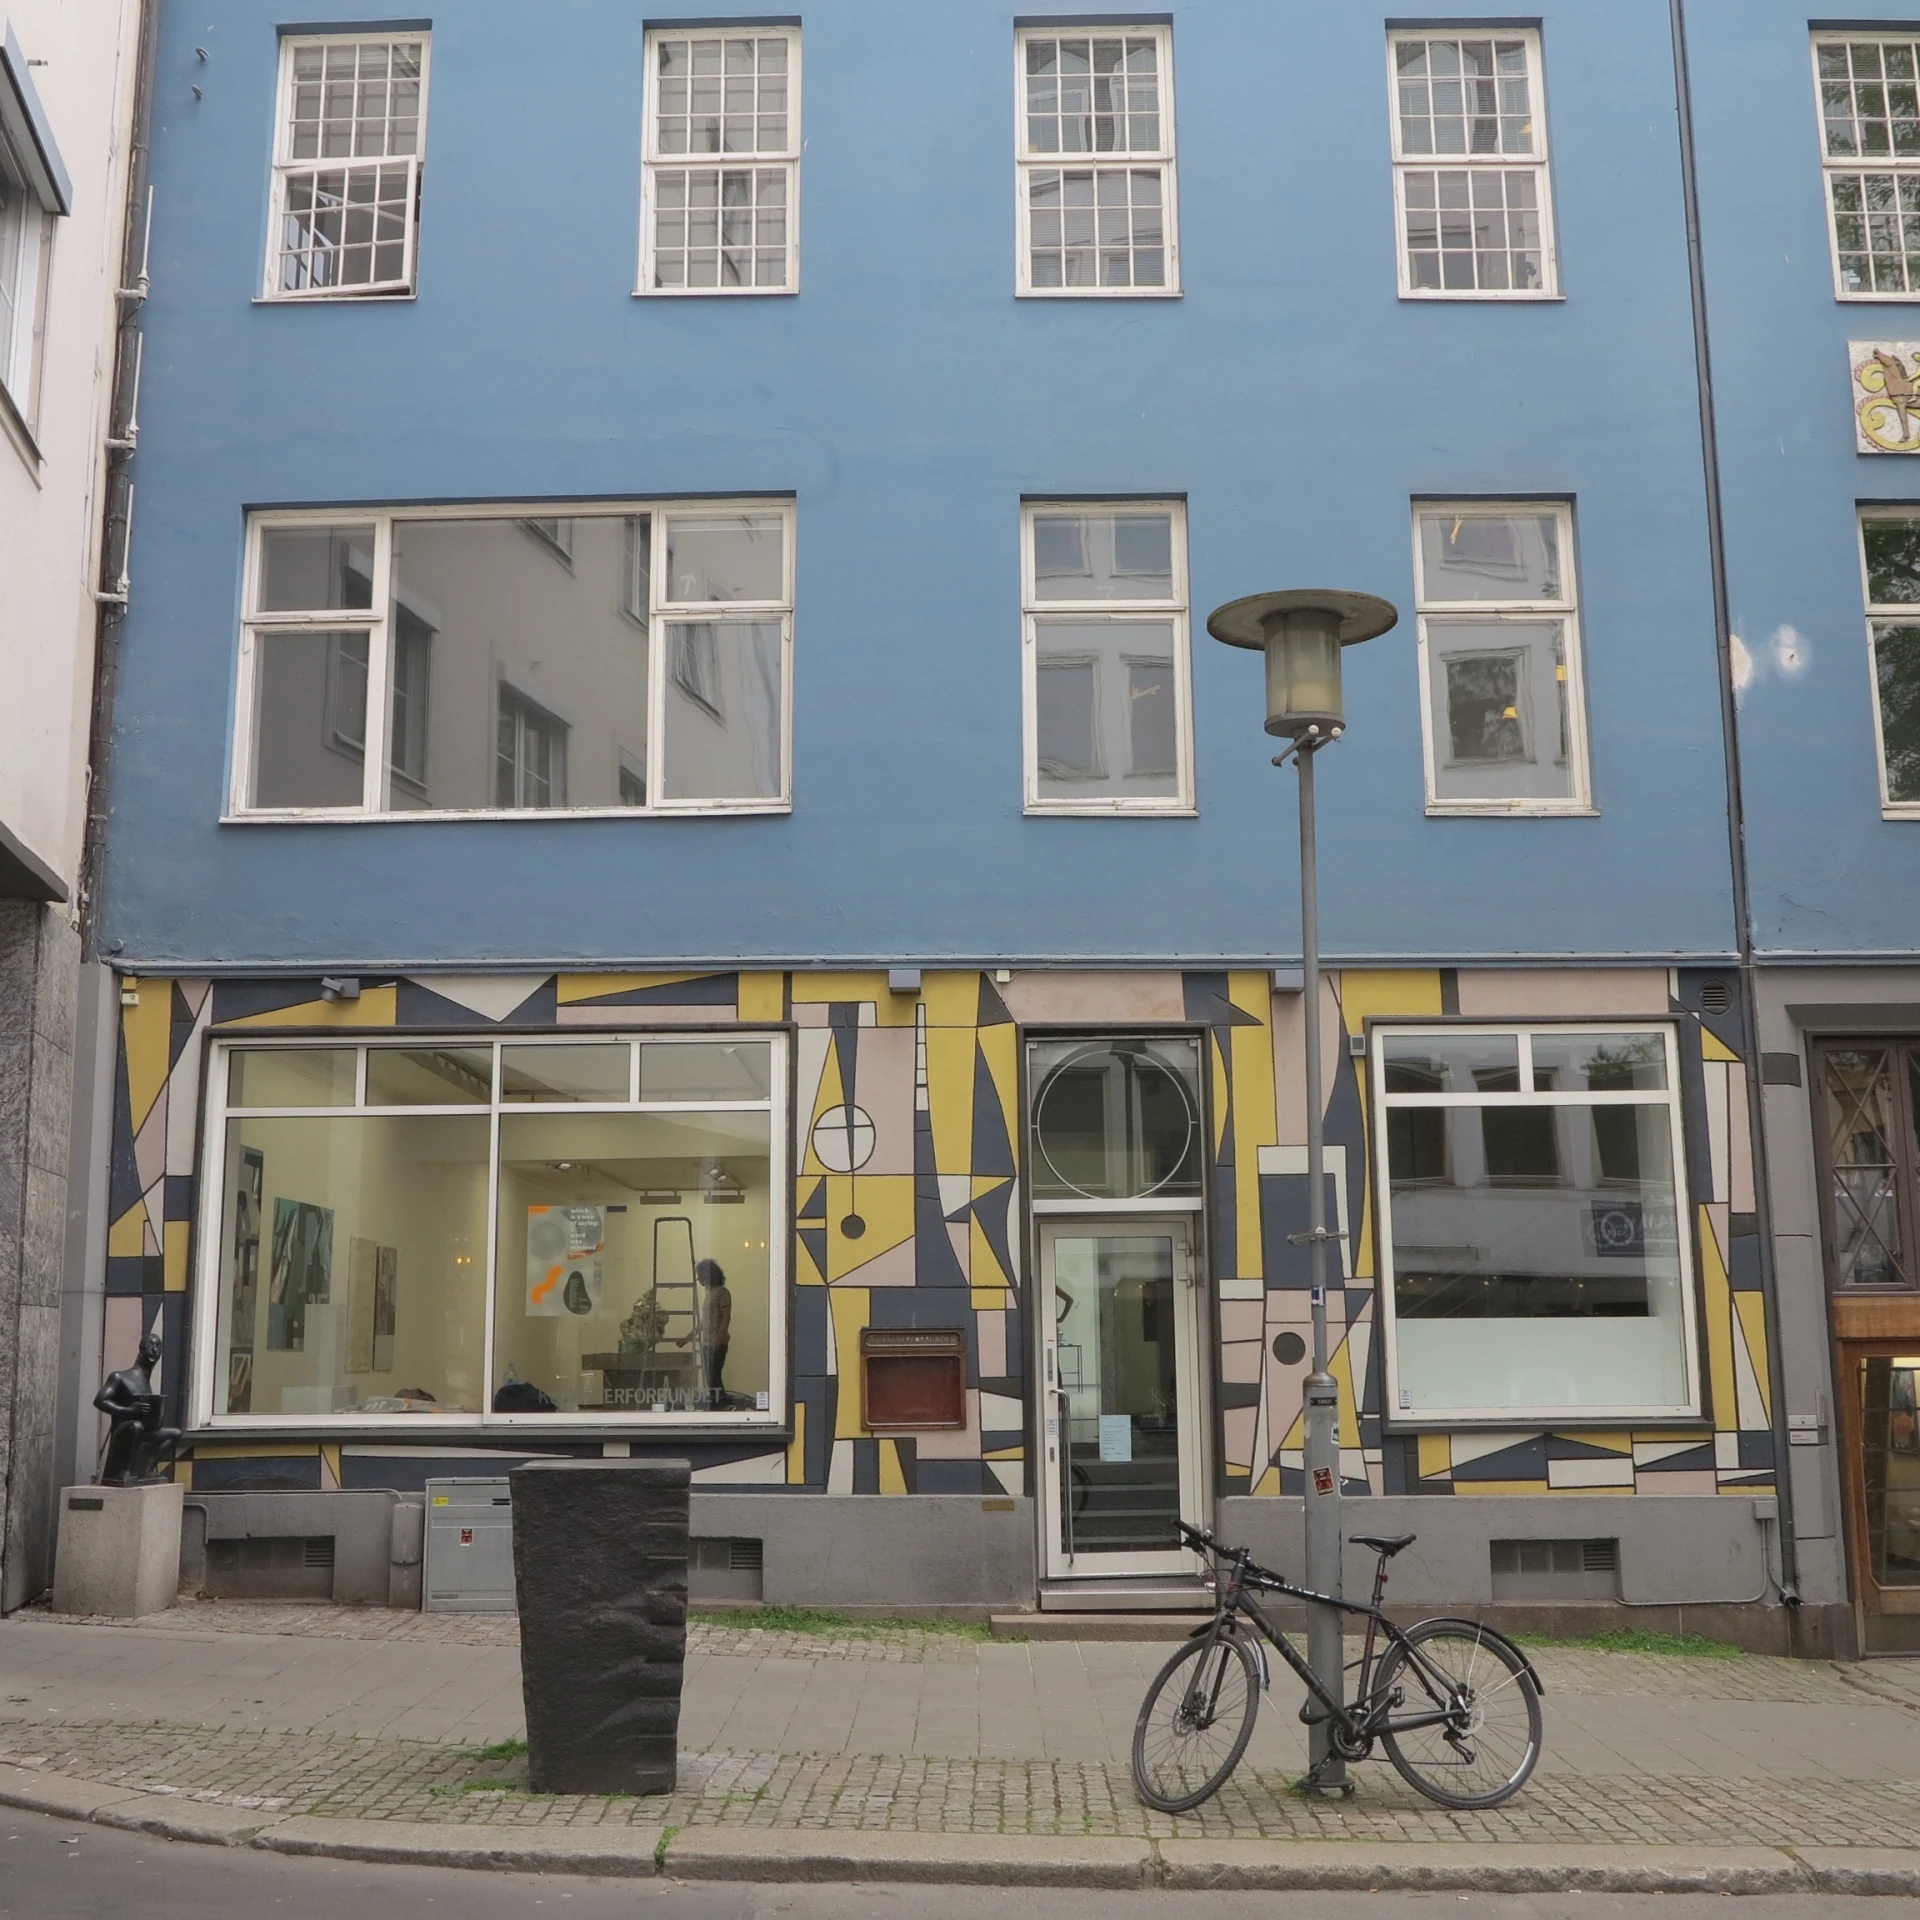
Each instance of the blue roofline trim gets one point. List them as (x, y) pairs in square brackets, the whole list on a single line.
[(54, 188)]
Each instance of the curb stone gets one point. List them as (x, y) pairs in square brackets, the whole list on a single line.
[(742, 1854), (948, 1859), (1481, 1867)]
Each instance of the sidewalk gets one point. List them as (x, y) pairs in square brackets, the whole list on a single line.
[(930, 1754)]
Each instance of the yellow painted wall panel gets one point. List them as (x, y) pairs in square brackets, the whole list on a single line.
[(797, 1447), (950, 1097), (1717, 1304), (173, 1247), (883, 1200), (376, 1007), (1752, 1309), (1714, 1048), (146, 1034), (852, 1310), (1372, 993), (892, 1478), (127, 1237), (1436, 1454), (763, 996)]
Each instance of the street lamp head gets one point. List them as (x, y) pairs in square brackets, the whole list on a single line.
[(1302, 632)]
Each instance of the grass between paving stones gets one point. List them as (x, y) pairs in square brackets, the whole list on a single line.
[(1693, 1646), (834, 1626)]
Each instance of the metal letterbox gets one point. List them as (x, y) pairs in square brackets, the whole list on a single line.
[(469, 1557)]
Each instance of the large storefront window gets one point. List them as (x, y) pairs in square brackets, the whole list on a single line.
[(1535, 1251), (494, 1232)]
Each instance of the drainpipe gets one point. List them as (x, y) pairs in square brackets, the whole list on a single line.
[(123, 433), (1736, 808)]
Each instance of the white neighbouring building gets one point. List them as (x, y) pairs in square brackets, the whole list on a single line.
[(68, 89)]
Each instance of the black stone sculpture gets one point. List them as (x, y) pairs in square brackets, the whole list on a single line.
[(600, 1571), (137, 1444)]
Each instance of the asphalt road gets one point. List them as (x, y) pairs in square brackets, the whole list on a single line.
[(59, 1870)]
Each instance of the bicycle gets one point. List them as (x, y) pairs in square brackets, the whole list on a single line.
[(1470, 1740)]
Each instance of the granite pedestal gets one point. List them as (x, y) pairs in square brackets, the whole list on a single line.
[(600, 1572), (119, 1550)]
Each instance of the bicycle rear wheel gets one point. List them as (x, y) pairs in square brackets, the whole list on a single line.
[(1195, 1722), (1490, 1741)]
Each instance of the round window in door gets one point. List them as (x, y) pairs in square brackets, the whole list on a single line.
[(1116, 1118)]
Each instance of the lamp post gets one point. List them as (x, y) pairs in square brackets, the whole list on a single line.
[(1302, 634)]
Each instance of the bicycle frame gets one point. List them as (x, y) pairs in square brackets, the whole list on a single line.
[(1365, 1718)]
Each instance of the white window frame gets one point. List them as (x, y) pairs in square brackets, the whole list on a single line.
[(1832, 165), (654, 163), (1686, 1215), (1174, 610), (285, 167), (1566, 610), (1539, 163), (378, 623), (31, 163), (1882, 612), (1027, 161), (206, 1378)]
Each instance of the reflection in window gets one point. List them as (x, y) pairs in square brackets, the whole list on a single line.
[(1890, 1467), (1116, 1119), (530, 764), (1106, 640), (1532, 1185), (1499, 638), (1892, 551), (505, 680)]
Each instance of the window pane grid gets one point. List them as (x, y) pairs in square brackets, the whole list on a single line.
[(719, 227), (1475, 224), (1474, 230), (1869, 100), (1095, 227), (348, 167), (726, 227), (1890, 557)]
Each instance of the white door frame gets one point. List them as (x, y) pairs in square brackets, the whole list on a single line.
[(1184, 1224)]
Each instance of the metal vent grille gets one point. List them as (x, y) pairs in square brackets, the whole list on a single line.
[(316, 1551), (1716, 997), (1555, 1569), (744, 1556)]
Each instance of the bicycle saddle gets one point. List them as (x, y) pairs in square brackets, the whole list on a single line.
[(1387, 1548)]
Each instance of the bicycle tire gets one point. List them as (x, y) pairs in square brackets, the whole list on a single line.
[(1496, 1740), (1165, 1757)]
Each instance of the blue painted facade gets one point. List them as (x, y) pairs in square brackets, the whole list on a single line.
[(908, 401)]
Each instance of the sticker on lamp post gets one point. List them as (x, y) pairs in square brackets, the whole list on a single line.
[(1323, 1479)]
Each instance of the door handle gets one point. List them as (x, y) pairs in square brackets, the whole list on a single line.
[(1066, 1469)]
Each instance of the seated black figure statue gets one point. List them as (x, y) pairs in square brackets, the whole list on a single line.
[(137, 1444)]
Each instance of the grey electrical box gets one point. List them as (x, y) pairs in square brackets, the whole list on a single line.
[(469, 1547)]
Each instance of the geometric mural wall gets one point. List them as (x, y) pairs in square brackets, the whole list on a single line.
[(906, 1210)]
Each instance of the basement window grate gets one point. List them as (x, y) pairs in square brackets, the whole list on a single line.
[(1555, 1569)]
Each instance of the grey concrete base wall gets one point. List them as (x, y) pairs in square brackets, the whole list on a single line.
[(376, 1537), (39, 965), (929, 1552), (1688, 1564)]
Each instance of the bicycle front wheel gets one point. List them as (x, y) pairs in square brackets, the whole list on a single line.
[(1489, 1742), (1195, 1722)]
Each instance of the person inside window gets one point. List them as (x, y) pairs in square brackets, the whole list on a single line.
[(716, 1325)]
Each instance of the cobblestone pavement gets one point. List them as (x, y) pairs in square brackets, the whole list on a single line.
[(1563, 1668), (901, 1643), (424, 1781), (801, 1730)]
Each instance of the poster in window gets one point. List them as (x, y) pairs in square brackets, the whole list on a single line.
[(386, 1287), (244, 1310), (1903, 1417), (302, 1271), (565, 1246)]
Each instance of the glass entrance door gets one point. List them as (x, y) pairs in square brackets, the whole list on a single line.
[(1883, 1447), (1123, 1421)]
